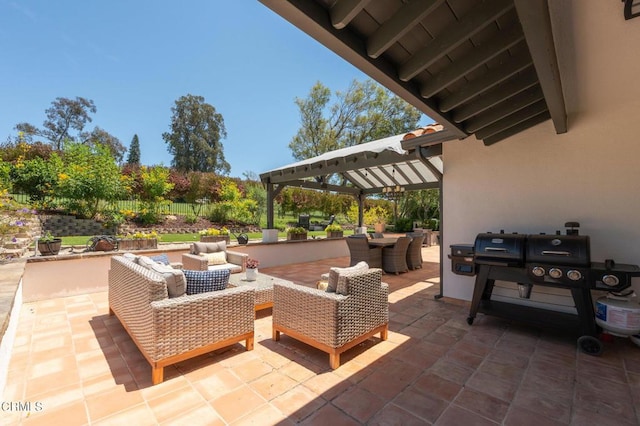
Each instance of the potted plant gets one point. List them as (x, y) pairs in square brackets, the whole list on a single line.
[(334, 231), (49, 245), (138, 241), (212, 235), (252, 269), (296, 233)]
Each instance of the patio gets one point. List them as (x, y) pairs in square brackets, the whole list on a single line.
[(82, 367)]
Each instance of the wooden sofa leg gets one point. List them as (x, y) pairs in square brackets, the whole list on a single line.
[(384, 332), (276, 335), (111, 313), (157, 374), (334, 360), (249, 343)]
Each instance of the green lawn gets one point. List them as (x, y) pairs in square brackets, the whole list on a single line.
[(180, 238)]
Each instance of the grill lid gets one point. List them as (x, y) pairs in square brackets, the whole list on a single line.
[(570, 250), (499, 249)]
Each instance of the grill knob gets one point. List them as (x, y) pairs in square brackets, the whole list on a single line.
[(538, 271), (555, 273), (574, 275), (610, 280)]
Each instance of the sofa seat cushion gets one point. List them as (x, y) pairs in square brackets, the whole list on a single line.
[(205, 281), (337, 277), (233, 268), (174, 278)]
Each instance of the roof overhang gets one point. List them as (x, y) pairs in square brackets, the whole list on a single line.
[(487, 68), (369, 168)]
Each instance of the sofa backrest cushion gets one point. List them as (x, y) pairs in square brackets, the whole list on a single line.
[(197, 248), (176, 282), (218, 258), (337, 280), (204, 281)]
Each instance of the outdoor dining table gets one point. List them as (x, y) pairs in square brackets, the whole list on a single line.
[(383, 242)]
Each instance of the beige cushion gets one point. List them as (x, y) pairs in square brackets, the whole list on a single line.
[(146, 261), (197, 248), (176, 282), (335, 275), (219, 258), (230, 266), (130, 256)]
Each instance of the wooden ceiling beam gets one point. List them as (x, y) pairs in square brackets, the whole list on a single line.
[(496, 75), (517, 128), (482, 54), (454, 36), (398, 25), (504, 108), (536, 24), (513, 119), (343, 12), (512, 87)]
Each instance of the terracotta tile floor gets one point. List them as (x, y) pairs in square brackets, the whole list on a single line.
[(81, 367)]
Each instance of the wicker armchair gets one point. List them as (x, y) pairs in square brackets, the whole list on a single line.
[(170, 330), (333, 322), (414, 252), (360, 251), (236, 262), (394, 259)]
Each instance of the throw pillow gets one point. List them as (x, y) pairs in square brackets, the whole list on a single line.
[(174, 278), (219, 258), (161, 258), (130, 256), (335, 273), (146, 261), (204, 281)]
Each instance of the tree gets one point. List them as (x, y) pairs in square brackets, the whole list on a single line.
[(365, 112), (133, 158), (64, 115), (104, 138), (195, 137)]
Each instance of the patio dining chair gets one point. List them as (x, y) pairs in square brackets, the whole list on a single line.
[(394, 258), (414, 252), (359, 250)]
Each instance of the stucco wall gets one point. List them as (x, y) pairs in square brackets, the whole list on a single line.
[(537, 180)]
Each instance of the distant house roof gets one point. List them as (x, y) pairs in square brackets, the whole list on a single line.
[(369, 167)]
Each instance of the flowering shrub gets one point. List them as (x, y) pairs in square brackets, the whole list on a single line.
[(13, 217), (142, 236), (252, 263), (215, 232), (334, 227), (296, 230)]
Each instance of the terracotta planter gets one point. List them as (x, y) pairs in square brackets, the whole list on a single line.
[(49, 248), (138, 244), (380, 227), (296, 237), (335, 234), (214, 238)]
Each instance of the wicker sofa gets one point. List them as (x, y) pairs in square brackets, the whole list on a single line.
[(330, 321), (236, 262), (169, 330)]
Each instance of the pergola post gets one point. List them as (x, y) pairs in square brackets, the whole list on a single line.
[(270, 200)]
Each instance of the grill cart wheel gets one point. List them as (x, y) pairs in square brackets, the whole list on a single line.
[(590, 345), (470, 320)]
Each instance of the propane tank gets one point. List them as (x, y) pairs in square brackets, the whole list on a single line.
[(618, 314)]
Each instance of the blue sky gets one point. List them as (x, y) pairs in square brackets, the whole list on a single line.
[(135, 58)]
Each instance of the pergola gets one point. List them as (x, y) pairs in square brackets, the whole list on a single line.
[(411, 161)]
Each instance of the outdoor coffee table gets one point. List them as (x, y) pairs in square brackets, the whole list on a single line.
[(263, 285)]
